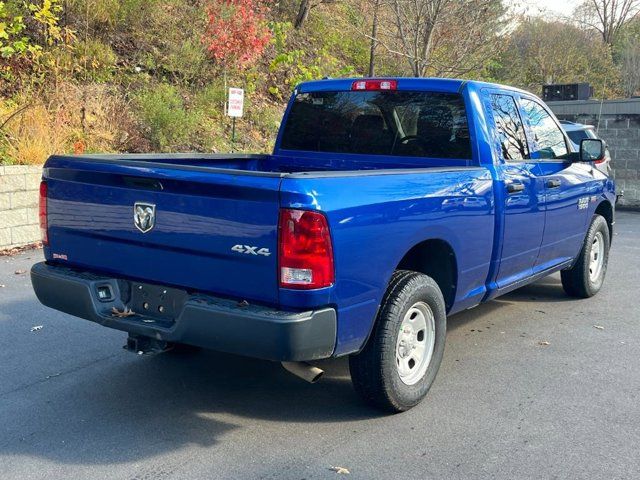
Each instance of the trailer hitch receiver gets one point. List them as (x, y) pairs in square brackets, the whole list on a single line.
[(143, 345)]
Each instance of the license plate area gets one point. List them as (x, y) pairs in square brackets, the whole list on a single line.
[(156, 301)]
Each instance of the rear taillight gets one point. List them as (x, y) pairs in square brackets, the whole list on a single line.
[(305, 254), (374, 85), (42, 213)]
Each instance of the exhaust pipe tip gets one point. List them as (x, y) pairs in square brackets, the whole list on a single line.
[(303, 370)]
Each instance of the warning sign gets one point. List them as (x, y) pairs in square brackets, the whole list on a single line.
[(236, 102)]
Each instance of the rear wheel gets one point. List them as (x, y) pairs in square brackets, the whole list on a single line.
[(586, 277), (401, 359)]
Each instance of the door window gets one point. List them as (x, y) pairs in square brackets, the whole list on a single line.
[(549, 142), (513, 142)]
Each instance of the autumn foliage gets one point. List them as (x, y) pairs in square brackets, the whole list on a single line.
[(237, 31)]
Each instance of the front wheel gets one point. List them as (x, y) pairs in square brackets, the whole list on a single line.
[(401, 359), (586, 277)]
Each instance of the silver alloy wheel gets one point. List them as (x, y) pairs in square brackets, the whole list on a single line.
[(415, 344), (596, 261)]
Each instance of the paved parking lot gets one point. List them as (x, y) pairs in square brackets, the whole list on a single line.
[(73, 404)]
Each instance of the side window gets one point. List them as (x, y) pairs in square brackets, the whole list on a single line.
[(513, 141), (549, 140)]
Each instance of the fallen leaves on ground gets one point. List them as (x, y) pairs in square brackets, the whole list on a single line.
[(20, 272), (127, 312), (340, 470), (15, 250)]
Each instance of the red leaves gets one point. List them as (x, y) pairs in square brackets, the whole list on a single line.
[(237, 31), (79, 147)]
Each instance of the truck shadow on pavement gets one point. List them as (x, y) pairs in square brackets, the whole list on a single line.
[(124, 407), (536, 297)]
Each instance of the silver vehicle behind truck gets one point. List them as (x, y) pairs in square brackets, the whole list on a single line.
[(578, 132)]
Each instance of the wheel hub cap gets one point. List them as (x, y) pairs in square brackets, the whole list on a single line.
[(596, 260), (416, 342)]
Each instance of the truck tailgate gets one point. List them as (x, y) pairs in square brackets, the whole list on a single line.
[(199, 217)]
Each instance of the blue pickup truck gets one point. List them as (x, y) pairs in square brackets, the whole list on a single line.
[(387, 205)]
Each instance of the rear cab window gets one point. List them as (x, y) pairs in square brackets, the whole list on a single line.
[(390, 123)]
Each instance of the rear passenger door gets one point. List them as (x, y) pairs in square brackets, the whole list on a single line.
[(566, 186), (520, 192)]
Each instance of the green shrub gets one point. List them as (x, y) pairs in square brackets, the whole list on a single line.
[(186, 62), (338, 38), (280, 33), (266, 118), (210, 100), (116, 14), (169, 125), (96, 60)]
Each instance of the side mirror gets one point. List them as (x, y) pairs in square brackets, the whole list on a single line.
[(591, 149)]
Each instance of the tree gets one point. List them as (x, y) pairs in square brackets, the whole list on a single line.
[(608, 17), (540, 52), (237, 31), (627, 54), (471, 39), (441, 37), (416, 22), (630, 68), (304, 10), (374, 35)]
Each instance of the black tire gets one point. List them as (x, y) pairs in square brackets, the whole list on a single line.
[(577, 281), (374, 371)]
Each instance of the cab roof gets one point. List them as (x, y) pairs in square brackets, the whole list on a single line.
[(445, 85)]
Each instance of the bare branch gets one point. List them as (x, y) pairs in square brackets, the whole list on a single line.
[(608, 17)]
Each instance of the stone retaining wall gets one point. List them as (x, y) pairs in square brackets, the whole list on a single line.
[(19, 192)]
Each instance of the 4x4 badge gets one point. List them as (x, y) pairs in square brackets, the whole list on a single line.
[(144, 216), (250, 250)]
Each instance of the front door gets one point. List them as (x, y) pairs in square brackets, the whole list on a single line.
[(566, 187)]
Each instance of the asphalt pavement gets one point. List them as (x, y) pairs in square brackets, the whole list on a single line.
[(533, 385)]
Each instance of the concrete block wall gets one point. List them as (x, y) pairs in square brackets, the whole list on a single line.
[(19, 192), (618, 123), (623, 137)]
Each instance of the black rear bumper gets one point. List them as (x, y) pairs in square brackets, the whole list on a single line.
[(201, 320)]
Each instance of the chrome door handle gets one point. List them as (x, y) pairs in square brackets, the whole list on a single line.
[(515, 187)]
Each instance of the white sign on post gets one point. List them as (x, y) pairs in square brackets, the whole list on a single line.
[(236, 102)]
